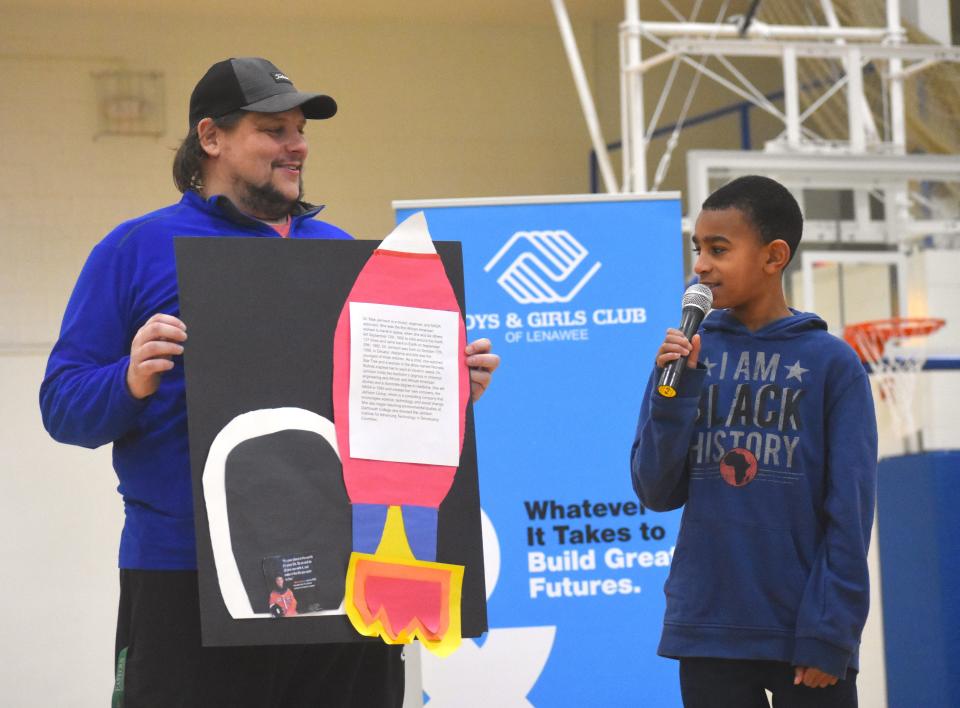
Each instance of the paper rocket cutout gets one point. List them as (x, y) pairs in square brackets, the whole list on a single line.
[(390, 593)]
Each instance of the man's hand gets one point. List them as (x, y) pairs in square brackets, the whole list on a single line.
[(482, 365), (152, 351), (675, 346), (812, 677)]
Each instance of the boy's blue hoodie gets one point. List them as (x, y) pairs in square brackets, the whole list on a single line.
[(771, 448), (130, 276)]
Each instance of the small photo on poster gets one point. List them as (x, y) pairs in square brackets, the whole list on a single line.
[(291, 585)]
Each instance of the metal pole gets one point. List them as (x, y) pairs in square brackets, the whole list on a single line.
[(637, 181), (830, 14), (869, 125), (791, 96), (897, 120), (809, 298), (707, 29), (858, 137), (917, 66), (626, 151), (896, 201), (586, 99)]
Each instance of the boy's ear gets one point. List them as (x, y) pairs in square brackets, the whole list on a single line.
[(778, 255)]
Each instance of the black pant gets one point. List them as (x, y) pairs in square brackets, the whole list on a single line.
[(736, 683), (161, 663)]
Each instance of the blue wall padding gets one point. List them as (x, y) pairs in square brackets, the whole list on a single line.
[(919, 520)]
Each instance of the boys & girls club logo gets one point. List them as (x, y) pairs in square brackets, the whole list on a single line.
[(543, 267), (547, 268)]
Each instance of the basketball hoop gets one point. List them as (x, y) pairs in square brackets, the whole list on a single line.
[(895, 371)]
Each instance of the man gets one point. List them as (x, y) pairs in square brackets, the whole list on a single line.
[(115, 376)]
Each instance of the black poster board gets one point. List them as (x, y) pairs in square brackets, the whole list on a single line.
[(260, 317)]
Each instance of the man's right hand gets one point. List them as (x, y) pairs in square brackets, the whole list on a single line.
[(675, 345), (152, 351)]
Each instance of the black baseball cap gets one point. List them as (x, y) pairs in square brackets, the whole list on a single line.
[(252, 84)]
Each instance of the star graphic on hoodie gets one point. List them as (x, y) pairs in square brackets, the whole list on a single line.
[(795, 372), (709, 364)]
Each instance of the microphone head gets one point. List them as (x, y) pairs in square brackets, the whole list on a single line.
[(698, 296)]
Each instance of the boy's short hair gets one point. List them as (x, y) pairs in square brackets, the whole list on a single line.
[(766, 203)]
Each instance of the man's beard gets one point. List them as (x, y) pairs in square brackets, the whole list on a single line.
[(264, 201)]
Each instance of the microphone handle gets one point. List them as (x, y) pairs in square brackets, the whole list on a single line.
[(670, 378)]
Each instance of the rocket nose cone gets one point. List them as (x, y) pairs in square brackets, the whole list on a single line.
[(410, 236)]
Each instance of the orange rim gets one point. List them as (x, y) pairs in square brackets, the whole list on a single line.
[(869, 338)]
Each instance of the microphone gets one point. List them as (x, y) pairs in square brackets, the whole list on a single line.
[(697, 301)]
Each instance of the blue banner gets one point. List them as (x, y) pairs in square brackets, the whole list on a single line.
[(575, 295)]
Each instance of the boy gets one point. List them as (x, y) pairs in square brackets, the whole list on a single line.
[(771, 448)]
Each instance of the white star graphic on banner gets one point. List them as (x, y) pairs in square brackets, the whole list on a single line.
[(795, 372)]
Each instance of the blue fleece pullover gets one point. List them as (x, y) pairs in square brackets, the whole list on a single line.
[(129, 277), (771, 448)]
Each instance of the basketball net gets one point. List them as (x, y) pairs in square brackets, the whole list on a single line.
[(894, 367)]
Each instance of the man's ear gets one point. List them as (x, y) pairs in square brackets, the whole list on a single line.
[(209, 135), (778, 255)]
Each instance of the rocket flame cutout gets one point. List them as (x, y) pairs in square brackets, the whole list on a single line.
[(391, 593), (395, 596)]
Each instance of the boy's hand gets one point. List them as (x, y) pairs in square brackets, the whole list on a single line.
[(812, 677), (675, 346)]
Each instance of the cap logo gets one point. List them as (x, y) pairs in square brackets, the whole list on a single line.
[(281, 78)]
